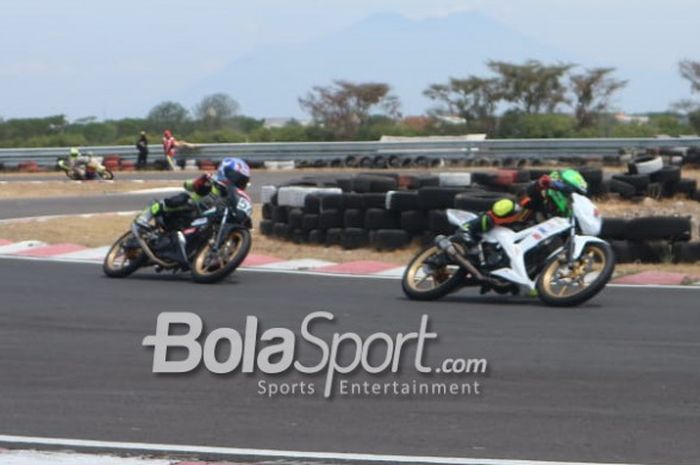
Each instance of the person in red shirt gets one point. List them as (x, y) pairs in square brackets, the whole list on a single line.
[(170, 146)]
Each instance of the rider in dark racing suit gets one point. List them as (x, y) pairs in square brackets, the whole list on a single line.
[(177, 212)]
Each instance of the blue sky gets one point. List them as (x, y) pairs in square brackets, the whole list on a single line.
[(116, 59)]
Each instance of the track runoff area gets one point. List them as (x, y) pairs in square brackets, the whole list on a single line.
[(610, 382)]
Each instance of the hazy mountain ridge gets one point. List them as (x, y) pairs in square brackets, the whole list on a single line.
[(408, 54)]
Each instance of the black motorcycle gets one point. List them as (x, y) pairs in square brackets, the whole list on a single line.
[(211, 245)]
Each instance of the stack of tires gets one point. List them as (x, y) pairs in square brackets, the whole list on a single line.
[(654, 239), (385, 212), (647, 176), (391, 211)]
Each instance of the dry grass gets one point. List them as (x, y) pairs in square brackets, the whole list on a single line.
[(93, 231), (66, 188)]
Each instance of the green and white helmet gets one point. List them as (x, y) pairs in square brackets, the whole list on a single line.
[(563, 184)]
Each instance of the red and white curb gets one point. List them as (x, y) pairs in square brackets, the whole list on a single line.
[(66, 252)]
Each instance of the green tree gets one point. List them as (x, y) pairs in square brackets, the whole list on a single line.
[(343, 107), (216, 109), (533, 87), (168, 115), (593, 90), (473, 98)]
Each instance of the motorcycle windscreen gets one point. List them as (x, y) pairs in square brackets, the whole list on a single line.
[(587, 215), (459, 217)]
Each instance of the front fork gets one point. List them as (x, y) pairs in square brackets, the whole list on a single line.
[(219, 235)]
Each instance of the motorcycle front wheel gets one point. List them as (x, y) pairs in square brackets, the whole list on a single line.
[(124, 257), (430, 275), (563, 285), (107, 175), (210, 266)]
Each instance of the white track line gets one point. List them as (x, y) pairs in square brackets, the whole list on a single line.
[(331, 275), (283, 454)]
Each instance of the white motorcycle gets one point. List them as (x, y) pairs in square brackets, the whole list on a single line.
[(560, 260)]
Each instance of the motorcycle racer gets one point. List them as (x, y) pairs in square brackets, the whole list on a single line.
[(231, 178), (547, 196)]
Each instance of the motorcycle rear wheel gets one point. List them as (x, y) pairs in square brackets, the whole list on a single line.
[(209, 266), (120, 261), (562, 286), (440, 281)]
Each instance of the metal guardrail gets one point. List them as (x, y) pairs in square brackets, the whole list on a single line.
[(266, 151)]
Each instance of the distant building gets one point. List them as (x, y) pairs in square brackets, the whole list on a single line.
[(630, 119), (271, 123)]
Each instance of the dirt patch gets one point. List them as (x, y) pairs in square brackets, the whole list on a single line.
[(93, 231)]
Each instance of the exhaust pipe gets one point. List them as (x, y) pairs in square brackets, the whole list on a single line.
[(147, 249), (446, 245)]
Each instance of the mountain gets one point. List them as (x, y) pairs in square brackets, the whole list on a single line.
[(407, 54)]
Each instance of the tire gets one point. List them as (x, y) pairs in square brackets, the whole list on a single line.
[(686, 252), (658, 228), (317, 236), (267, 227), (669, 177), (624, 189), (442, 286), (137, 260), (687, 187), (331, 202), (312, 203), (309, 222), (201, 273), (430, 198), (374, 200), (266, 211), (354, 238), (455, 179), (408, 182), (438, 222), (279, 214), (354, 201), (428, 181), (376, 218), (354, 218), (614, 228), (640, 182), (294, 218), (281, 231), (390, 239), (330, 219), (414, 221), (107, 175), (647, 164), (623, 253), (544, 285), (345, 184), (333, 236), (402, 201)]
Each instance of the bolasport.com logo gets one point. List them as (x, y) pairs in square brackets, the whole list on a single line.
[(225, 351)]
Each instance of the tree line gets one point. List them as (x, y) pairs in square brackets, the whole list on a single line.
[(516, 100)]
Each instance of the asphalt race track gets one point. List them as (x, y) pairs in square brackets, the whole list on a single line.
[(615, 380)]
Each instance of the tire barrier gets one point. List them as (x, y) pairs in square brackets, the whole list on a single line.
[(389, 212)]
